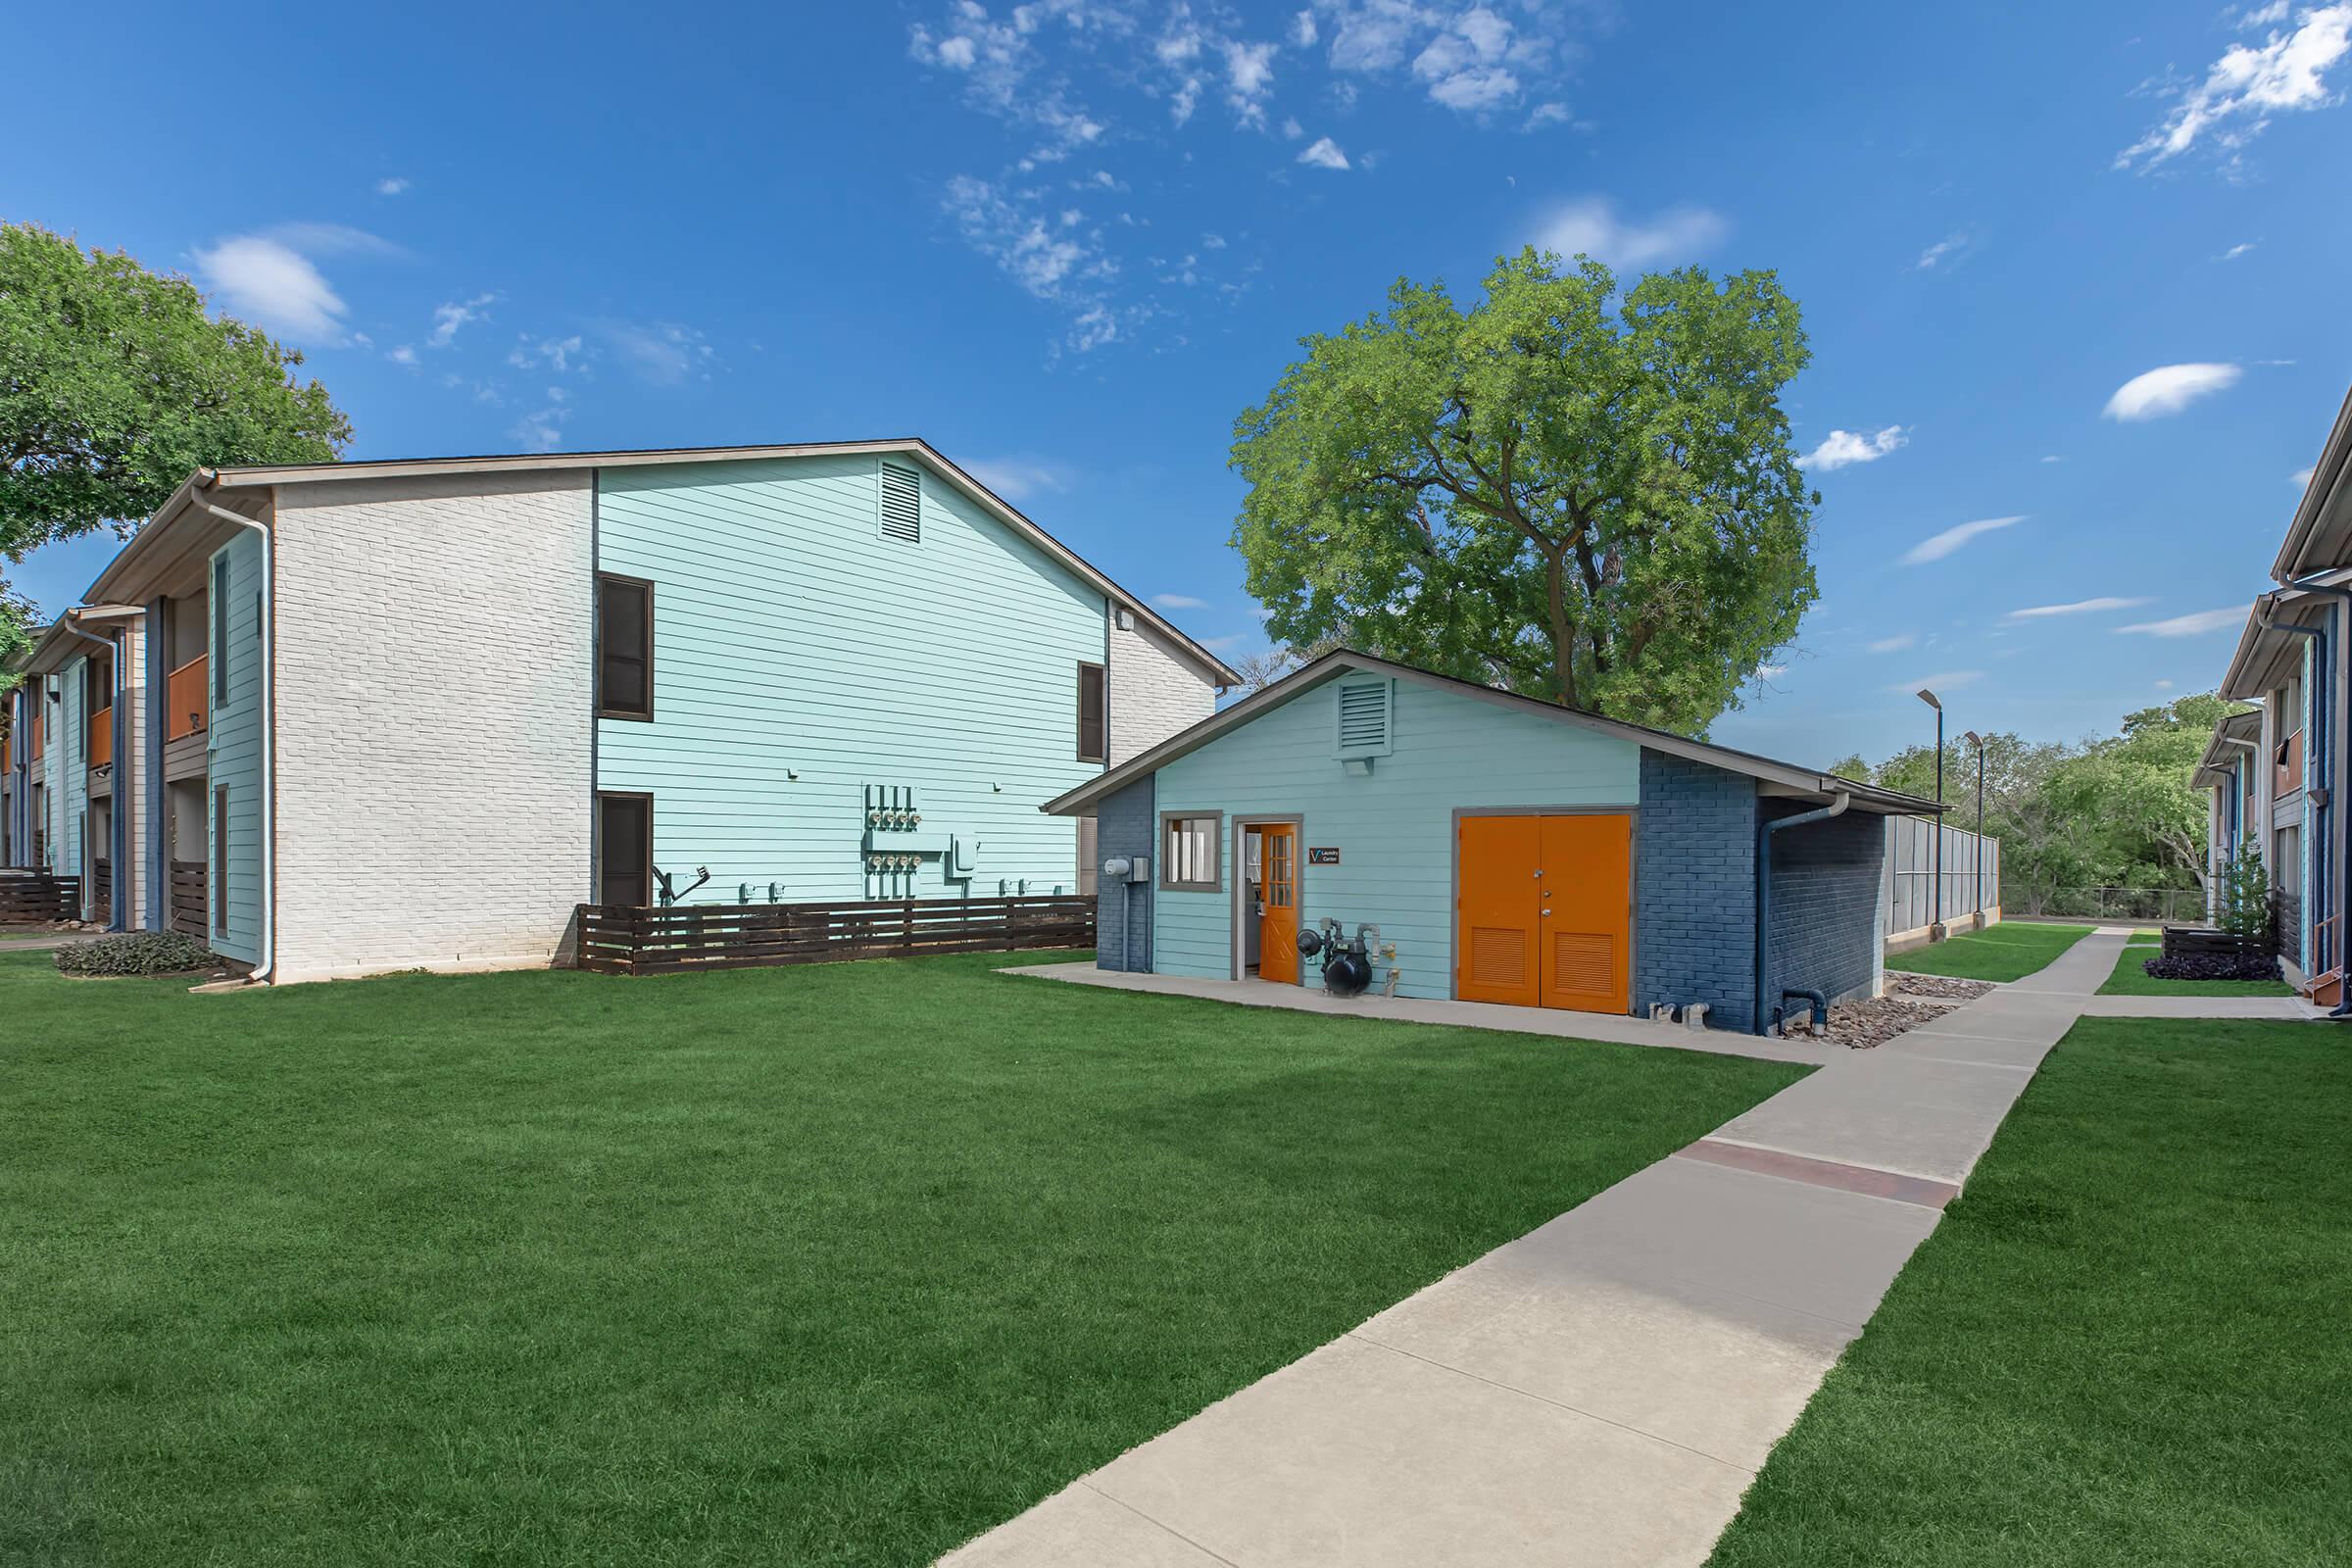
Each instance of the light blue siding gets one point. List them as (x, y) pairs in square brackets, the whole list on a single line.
[(66, 744), (234, 752), (791, 637), (1393, 827)]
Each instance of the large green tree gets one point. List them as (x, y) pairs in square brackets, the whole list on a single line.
[(1573, 494), (115, 385), (2139, 790)]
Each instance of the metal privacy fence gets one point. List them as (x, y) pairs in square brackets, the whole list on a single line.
[(1911, 900)]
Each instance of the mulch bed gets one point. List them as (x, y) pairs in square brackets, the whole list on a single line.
[(1945, 987), (1869, 1022)]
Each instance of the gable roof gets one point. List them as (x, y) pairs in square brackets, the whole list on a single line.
[(2235, 735), (2319, 535), (261, 476), (1800, 781)]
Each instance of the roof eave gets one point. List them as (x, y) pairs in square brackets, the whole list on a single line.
[(2321, 526)]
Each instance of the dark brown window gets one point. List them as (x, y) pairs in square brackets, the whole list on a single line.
[(1090, 713), (624, 647), (220, 860), (624, 849)]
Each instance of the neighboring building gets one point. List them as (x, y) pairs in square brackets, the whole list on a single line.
[(2231, 769), (389, 714), (1509, 850), (2291, 659)]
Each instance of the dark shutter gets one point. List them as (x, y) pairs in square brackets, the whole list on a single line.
[(220, 860), (624, 849), (624, 641), (218, 608), (1090, 713)]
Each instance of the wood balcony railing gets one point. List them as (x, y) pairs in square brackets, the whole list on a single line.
[(102, 737), (2289, 771), (188, 700)]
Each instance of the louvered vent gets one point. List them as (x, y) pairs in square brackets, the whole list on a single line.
[(902, 504), (1498, 956), (1364, 712), (1583, 962)]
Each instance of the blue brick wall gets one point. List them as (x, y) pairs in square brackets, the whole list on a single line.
[(1694, 931), (1824, 902), (1125, 823)]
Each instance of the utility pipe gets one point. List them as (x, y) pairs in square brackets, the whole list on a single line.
[(115, 813), (1764, 833), (269, 901)]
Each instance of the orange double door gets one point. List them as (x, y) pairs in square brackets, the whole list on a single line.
[(1543, 911)]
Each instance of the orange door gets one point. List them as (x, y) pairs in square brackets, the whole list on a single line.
[(1497, 944), (1587, 912), (1278, 927)]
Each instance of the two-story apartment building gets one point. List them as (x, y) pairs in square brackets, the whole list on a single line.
[(2280, 793), (410, 714)]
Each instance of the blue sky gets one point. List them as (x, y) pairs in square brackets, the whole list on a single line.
[(2071, 273)]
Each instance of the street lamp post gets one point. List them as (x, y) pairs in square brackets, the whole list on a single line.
[(1936, 930), (1977, 741)]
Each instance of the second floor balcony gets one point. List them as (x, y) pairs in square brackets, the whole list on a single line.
[(187, 700)]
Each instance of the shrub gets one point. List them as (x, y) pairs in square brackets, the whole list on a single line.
[(135, 953), (2246, 902), (2213, 967)]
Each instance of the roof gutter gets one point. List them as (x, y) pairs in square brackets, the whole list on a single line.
[(269, 900), (1764, 833)]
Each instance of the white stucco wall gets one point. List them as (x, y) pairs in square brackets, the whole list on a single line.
[(434, 642)]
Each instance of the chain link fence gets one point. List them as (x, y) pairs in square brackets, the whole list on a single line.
[(2165, 905)]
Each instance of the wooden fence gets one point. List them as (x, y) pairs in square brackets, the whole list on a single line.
[(32, 897), (623, 939), (189, 914)]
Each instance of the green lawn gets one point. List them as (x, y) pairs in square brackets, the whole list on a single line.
[(2009, 951), (2124, 1345), (2132, 980), (834, 1264)]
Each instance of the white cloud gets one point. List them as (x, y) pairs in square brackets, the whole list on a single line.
[(2238, 250), (1019, 479), (2301, 478), (543, 431), (448, 317), (2081, 606), (1213, 242), (2168, 389), (1179, 602), (268, 281), (1249, 78), (2286, 72), (1292, 130), (1006, 227), (1771, 671), (2164, 685), (1303, 29), (1845, 447), (392, 186), (1893, 645), (1004, 74), (1464, 66), (1944, 680), (1591, 228), (1945, 253), (2053, 457), (402, 355), (1937, 546), (662, 353), (1324, 153), (2265, 16), (1554, 113), (553, 353), (2190, 625)]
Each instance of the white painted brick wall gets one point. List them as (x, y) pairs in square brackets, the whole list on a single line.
[(1153, 690), (433, 647)]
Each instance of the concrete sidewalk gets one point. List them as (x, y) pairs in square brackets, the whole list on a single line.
[(1603, 1390)]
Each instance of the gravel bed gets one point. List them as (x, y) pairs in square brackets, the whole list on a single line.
[(1861, 1025), (1906, 984)]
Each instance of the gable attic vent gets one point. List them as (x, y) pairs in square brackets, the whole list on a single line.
[(901, 502), (1363, 710)]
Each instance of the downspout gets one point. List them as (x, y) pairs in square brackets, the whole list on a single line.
[(113, 899), (2336, 818), (263, 971), (1764, 833)]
